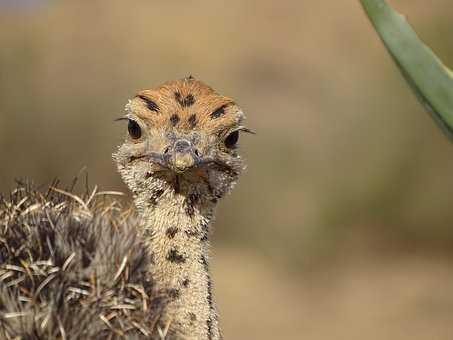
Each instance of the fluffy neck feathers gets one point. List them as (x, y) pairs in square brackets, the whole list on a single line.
[(177, 227)]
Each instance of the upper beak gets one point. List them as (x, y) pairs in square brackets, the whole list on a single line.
[(183, 156)]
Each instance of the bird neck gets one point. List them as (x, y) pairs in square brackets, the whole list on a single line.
[(177, 232)]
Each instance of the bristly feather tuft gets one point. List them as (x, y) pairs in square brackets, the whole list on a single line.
[(73, 267)]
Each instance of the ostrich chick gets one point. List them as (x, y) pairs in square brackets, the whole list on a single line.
[(179, 158)]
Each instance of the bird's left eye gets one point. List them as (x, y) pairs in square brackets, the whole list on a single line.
[(232, 139), (134, 129)]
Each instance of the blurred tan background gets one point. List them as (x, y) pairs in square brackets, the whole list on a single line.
[(342, 226)]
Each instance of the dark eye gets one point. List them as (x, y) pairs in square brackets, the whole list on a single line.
[(134, 129), (232, 139)]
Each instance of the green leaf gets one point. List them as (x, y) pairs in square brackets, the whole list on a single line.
[(431, 81)]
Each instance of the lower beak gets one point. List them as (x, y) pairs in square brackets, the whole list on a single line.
[(182, 161)]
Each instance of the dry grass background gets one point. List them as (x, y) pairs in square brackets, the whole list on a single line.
[(341, 226)]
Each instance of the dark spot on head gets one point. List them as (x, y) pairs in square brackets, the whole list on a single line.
[(185, 283), (149, 103), (189, 100), (174, 119), (173, 293), (192, 120), (219, 112), (171, 232), (184, 101), (175, 257)]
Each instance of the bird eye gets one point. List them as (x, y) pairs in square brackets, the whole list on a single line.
[(134, 129), (232, 139)]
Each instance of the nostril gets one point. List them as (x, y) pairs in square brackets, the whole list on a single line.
[(197, 153), (167, 150)]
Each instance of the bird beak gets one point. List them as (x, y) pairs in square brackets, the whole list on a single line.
[(183, 156)]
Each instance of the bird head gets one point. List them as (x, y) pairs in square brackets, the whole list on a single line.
[(181, 137)]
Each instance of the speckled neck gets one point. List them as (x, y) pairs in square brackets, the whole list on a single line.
[(177, 230)]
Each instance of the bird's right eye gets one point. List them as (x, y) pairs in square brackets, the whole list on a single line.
[(134, 129)]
